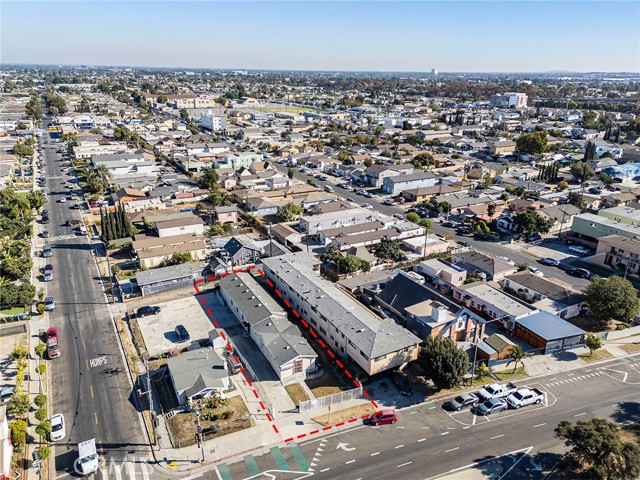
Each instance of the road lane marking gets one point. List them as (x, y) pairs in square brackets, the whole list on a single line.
[(404, 464), (325, 470), (468, 426), (350, 461), (580, 414), (374, 454), (422, 440), (445, 433), (451, 450), (398, 446), (539, 425), (95, 415), (91, 389), (497, 436)]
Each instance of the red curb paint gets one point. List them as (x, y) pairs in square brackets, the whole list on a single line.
[(224, 275), (237, 271), (199, 281), (314, 334), (353, 420), (223, 336), (313, 432), (322, 344), (256, 394), (216, 324), (275, 429), (348, 373), (203, 301), (243, 371), (328, 427), (340, 364), (229, 346), (210, 279), (249, 383), (295, 312), (261, 272), (374, 403), (356, 383), (262, 405), (270, 283), (197, 289), (269, 417), (286, 303), (235, 357), (209, 312), (364, 392), (251, 267), (278, 293), (288, 440), (339, 424), (305, 324), (331, 354), (364, 416), (302, 436)]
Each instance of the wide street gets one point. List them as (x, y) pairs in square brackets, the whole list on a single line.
[(516, 253), (430, 442), (91, 386)]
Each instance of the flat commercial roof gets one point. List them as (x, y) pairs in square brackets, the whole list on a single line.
[(549, 326)]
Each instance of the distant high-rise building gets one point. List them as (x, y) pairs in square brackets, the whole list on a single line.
[(509, 99), (434, 71)]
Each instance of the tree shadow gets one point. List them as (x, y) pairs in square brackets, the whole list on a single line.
[(628, 414), (517, 466), (564, 356)]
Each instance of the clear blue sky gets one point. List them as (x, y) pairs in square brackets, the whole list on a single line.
[(314, 35)]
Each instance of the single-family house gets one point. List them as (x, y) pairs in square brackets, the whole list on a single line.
[(483, 266), (197, 374)]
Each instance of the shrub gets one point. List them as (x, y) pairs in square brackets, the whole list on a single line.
[(40, 349), (41, 414), (43, 452), (227, 414), (40, 308), (44, 428), (20, 352), (621, 326), (18, 434), (40, 369), (40, 400), (19, 404)]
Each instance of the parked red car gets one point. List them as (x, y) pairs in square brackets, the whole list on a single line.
[(383, 417)]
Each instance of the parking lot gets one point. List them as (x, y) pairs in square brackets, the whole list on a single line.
[(158, 331)]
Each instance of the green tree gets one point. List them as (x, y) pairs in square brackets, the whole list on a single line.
[(576, 199), (530, 222), (423, 160), (209, 179), (43, 452), (388, 249), (613, 298), (606, 179), (40, 400), (290, 212), (593, 343), (291, 172), (562, 186), (581, 171), (412, 217), (44, 428), (18, 434), (22, 150), (19, 404), (516, 355), (181, 257), (596, 451), (532, 143), (443, 362), (491, 209), (184, 115)]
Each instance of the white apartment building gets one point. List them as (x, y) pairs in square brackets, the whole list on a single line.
[(212, 122), (509, 99)]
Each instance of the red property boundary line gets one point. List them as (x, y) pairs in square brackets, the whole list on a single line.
[(313, 334)]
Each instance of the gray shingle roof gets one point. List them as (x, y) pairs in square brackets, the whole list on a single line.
[(197, 369)]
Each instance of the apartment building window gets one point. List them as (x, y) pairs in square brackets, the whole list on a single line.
[(313, 321), (322, 330), (297, 366), (364, 355), (351, 343)]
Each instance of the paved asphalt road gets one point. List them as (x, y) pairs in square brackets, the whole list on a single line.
[(497, 249), (90, 383), (428, 441)]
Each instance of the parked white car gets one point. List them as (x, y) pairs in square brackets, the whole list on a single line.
[(58, 431), (579, 250)]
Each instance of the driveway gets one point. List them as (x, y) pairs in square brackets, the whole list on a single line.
[(158, 331)]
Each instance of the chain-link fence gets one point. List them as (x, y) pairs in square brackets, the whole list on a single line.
[(336, 398)]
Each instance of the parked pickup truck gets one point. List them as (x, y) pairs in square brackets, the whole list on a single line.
[(496, 390), (524, 397)]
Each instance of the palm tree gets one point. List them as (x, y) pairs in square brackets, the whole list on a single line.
[(517, 355), (104, 173), (426, 224), (19, 205)]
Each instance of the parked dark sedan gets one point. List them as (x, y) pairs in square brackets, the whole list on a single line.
[(461, 401), (182, 334), (148, 310), (580, 272), (402, 383)]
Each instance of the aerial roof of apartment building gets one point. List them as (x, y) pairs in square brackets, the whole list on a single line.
[(373, 335)]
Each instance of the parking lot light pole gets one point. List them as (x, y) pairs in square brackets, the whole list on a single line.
[(475, 346)]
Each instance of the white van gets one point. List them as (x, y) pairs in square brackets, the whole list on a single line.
[(328, 188), (83, 229), (87, 457)]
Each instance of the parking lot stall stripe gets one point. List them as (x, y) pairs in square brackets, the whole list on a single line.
[(252, 466), (225, 473), (279, 458), (299, 458)]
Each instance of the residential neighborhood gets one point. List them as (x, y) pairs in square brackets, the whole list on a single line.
[(231, 274)]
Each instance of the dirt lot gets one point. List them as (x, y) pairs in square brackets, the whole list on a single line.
[(630, 347), (326, 384), (346, 414), (297, 393), (183, 425)]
